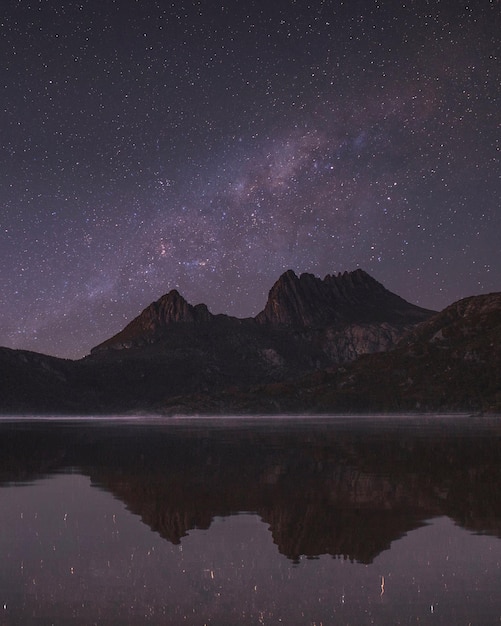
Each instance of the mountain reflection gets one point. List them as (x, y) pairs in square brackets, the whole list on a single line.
[(347, 488)]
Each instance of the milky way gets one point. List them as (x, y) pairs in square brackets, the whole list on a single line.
[(210, 146)]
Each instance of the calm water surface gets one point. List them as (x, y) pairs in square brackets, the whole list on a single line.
[(251, 521)]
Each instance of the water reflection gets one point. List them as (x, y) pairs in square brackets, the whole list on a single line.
[(247, 515)]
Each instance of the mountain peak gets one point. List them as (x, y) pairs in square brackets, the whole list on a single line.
[(348, 297), (304, 301), (170, 309)]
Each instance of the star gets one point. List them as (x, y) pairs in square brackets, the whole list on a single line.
[(210, 147)]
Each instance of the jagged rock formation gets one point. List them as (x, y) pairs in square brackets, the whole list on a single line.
[(353, 313), (348, 298), (173, 348), (450, 362), (312, 349), (349, 342), (149, 326)]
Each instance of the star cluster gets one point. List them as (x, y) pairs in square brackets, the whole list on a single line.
[(210, 146)]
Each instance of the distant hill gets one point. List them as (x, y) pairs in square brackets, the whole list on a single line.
[(344, 343)]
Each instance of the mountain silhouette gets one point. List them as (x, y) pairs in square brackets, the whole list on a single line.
[(342, 343)]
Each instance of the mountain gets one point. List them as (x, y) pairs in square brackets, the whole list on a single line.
[(450, 362), (155, 319), (37, 383), (305, 303), (342, 343), (348, 298), (174, 349)]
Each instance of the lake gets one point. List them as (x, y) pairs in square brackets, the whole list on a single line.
[(315, 521)]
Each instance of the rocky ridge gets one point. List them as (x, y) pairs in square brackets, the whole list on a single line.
[(170, 309), (346, 298), (451, 362), (343, 343), (352, 300)]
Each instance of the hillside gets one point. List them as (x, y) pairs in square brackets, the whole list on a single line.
[(341, 344), (451, 362)]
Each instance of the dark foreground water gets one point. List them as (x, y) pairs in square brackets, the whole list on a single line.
[(251, 521)]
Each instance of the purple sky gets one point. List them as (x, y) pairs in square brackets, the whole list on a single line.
[(209, 147)]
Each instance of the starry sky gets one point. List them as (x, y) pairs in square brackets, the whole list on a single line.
[(209, 146)]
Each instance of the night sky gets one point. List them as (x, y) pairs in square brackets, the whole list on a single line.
[(209, 146)]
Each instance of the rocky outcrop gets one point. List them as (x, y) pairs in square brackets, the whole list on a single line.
[(348, 343), (450, 362), (339, 344), (468, 325), (150, 324), (339, 317), (350, 297), (173, 349)]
